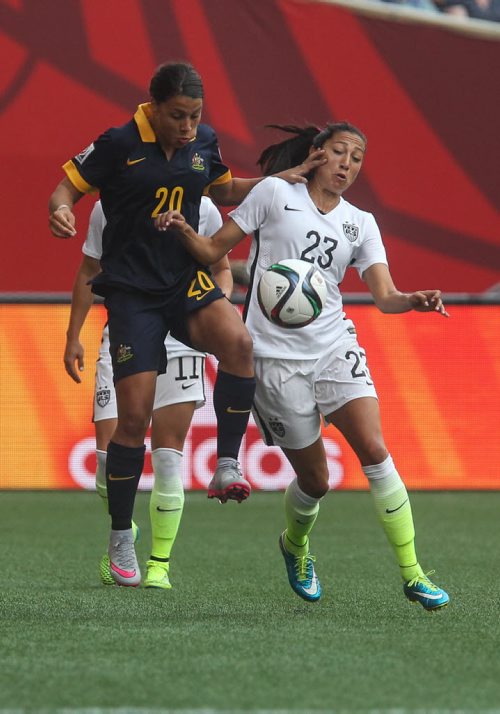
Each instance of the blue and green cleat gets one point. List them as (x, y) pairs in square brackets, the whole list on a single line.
[(104, 569), (301, 575), (420, 589)]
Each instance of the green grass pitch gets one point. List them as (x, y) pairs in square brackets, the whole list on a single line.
[(231, 635)]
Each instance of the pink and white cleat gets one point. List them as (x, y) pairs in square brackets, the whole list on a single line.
[(123, 565), (228, 483)]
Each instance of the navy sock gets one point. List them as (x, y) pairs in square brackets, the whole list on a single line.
[(233, 398), (124, 466)]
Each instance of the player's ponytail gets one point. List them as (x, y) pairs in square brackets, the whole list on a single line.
[(290, 152)]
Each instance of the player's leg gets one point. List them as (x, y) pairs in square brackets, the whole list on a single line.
[(104, 413), (286, 415), (124, 465), (104, 429), (302, 503), (217, 328), (172, 417), (105, 419), (137, 332), (359, 422)]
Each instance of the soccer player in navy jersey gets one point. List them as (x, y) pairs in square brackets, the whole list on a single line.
[(164, 158), (179, 391)]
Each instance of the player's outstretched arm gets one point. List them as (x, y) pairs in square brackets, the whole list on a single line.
[(233, 192), (389, 299), (204, 249)]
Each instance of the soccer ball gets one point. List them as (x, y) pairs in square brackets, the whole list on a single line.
[(291, 293)]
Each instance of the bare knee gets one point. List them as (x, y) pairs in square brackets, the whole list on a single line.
[(235, 353), (131, 428), (314, 483), (372, 452)]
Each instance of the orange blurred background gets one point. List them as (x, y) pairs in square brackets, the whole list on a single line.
[(438, 382)]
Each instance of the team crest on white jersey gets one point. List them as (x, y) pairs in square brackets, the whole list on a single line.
[(103, 397), (83, 154), (277, 426), (197, 162), (351, 231)]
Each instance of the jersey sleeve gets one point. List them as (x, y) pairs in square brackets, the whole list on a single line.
[(219, 172), (253, 211), (91, 168), (372, 249), (93, 242)]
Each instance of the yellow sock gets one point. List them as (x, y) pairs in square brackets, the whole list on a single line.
[(167, 501), (301, 512), (100, 477), (392, 505)]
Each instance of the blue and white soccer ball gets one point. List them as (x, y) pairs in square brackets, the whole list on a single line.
[(292, 293)]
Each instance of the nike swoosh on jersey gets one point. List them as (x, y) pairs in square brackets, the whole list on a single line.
[(288, 208), (131, 162), (393, 510), (230, 410), (186, 386)]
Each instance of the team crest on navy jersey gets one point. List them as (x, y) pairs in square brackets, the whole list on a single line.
[(197, 162), (102, 397), (83, 154), (277, 427), (351, 231), (123, 354)]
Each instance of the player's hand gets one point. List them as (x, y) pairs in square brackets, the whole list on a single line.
[(73, 359), (62, 223), (175, 220), (427, 301), (298, 173)]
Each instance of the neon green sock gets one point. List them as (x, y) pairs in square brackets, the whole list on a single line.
[(301, 512), (392, 505), (100, 477), (167, 501)]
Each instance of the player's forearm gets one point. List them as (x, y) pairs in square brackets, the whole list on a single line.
[(202, 248), (393, 303), (64, 195), (81, 302)]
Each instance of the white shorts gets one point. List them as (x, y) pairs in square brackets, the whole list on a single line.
[(182, 382), (292, 395)]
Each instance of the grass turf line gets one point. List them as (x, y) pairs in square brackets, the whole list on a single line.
[(231, 634)]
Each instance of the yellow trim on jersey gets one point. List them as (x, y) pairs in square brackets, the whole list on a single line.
[(225, 178), (142, 118), (76, 179)]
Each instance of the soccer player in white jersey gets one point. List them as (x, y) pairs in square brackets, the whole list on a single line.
[(320, 370), (178, 393)]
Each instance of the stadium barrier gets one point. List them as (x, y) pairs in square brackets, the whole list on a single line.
[(438, 382)]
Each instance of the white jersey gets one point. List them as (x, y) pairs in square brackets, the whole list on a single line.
[(210, 222), (285, 223)]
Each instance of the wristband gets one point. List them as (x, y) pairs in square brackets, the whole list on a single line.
[(63, 205)]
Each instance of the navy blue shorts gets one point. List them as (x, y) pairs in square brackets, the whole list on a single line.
[(139, 323)]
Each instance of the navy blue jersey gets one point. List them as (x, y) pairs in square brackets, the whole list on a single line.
[(136, 182)]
